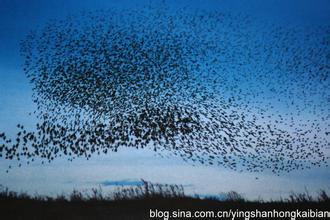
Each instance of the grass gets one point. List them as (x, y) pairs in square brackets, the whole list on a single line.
[(135, 203)]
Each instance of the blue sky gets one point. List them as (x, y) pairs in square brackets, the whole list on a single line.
[(17, 17)]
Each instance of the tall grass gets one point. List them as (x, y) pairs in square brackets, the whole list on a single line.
[(150, 191)]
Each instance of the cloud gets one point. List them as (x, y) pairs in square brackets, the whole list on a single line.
[(125, 182), (130, 182)]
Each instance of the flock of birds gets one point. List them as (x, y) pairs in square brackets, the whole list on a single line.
[(211, 87)]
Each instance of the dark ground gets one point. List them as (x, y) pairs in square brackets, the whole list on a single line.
[(133, 209), (136, 202)]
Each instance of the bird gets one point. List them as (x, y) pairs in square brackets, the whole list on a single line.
[(207, 86)]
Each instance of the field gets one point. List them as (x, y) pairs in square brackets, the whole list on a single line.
[(136, 203)]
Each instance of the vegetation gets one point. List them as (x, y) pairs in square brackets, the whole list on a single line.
[(135, 203)]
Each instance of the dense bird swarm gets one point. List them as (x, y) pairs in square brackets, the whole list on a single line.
[(202, 85)]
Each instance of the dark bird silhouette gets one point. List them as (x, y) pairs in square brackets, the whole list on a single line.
[(205, 86)]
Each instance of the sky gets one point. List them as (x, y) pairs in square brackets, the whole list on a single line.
[(128, 166)]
